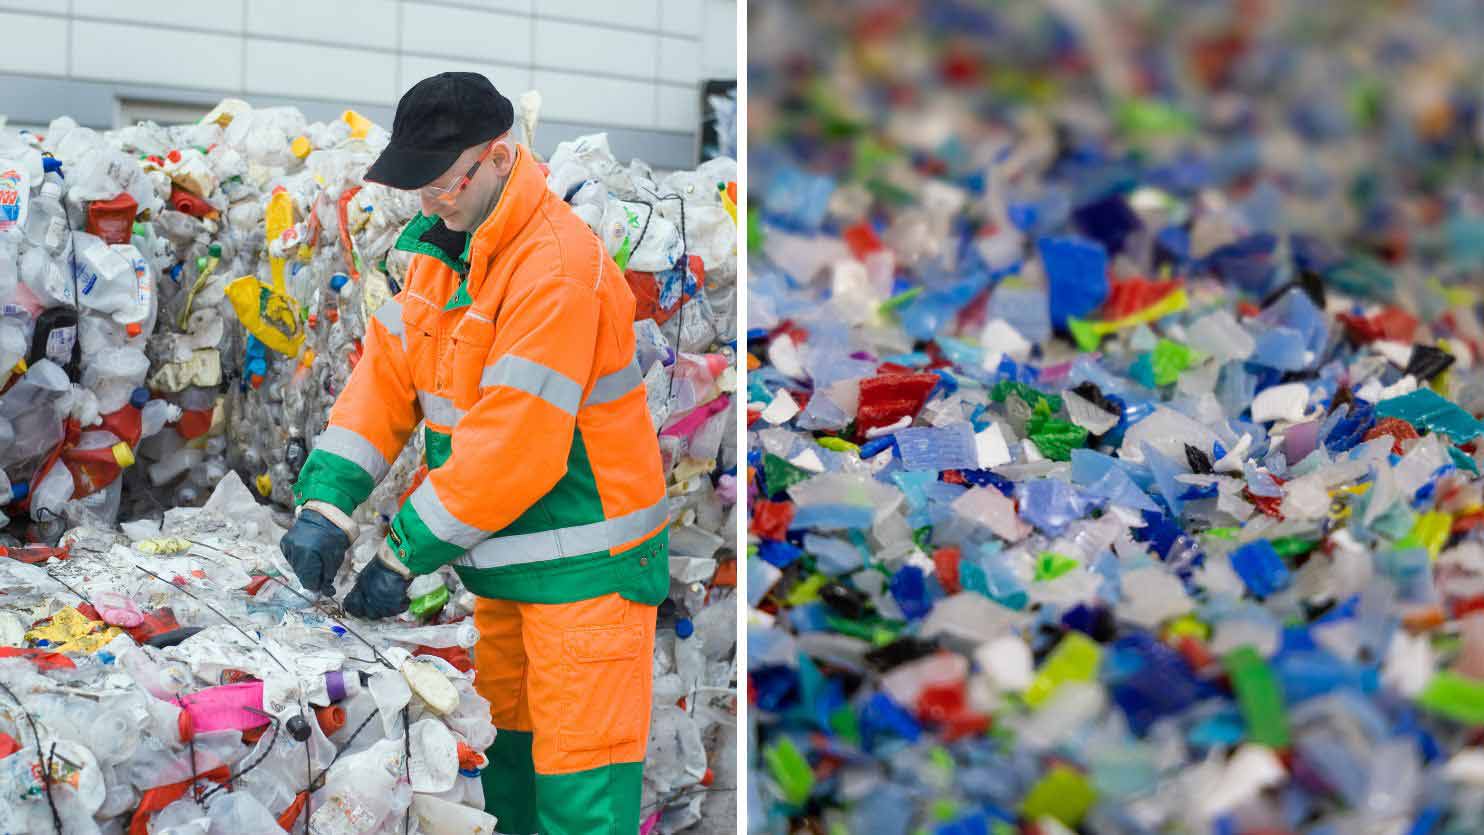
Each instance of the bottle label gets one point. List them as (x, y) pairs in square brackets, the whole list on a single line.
[(15, 192), (59, 344)]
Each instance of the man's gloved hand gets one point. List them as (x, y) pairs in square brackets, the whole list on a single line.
[(315, 547), (380, 591)]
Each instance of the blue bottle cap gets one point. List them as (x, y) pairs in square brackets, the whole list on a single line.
[(684, 628), (20, 490), (139, 397), (338, 280)]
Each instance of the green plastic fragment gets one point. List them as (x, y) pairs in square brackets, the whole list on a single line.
[(1169, 359), (754, 228), (870, 158), (844, 723), (1147, 118), (877, 630), (1085, 333), (1076, 658), (1222, 533), (1050, 565), (1258, 695), (1426, 409), (779, 475), (834, 444), (942, 759), (1457, 697), (1054, 437), (899, 300), (943, 809), (1032, 396), (429, 604), (922, 537), (806, 590), (1064, 793), (1289, 547), (790, 771)]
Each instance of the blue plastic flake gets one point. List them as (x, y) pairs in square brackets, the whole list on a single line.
[(1260, 568), (1077, 270)]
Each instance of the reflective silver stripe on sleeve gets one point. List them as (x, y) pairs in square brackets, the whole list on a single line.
[(354, 448), (610, 387), (440, 520), (439, 409), (534, 379), (554, 544), (390, 315)]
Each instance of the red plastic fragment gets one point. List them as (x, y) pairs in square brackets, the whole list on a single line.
[(862, 240), (156, 622), (1398, 429), (183, 201), (945, 563), (157, 798), (113, 219), (1266, 504), (887, 398), (1391, 323), (770, 520), (290, 816), (8, 745), (946, 705), (41, 658), (194, 423), (1131, 295), (457, 656)]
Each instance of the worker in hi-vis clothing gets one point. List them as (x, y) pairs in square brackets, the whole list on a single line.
[(513, 343)]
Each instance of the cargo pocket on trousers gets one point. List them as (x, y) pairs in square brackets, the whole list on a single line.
[(604, 689)]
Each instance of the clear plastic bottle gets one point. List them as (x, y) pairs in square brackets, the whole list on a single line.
[(46, 225)]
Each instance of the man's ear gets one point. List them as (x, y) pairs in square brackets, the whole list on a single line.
[(502, 158)]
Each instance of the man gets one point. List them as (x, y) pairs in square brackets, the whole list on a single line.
[(513, 341)]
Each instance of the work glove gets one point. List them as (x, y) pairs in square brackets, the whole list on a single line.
[(315, 547), (380, 591)]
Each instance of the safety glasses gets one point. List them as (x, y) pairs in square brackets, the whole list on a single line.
[(447, 193)]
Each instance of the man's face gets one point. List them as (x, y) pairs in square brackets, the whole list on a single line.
[(462, 200)]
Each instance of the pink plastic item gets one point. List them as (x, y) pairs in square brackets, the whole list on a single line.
[(117, 609), (222, 708)]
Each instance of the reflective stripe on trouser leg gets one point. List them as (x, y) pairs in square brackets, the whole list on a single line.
[(500, 676), (589, 683)]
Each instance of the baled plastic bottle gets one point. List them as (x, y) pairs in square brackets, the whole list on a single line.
[(46, 225)]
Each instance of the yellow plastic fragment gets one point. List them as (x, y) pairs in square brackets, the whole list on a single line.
[(71, 631), (163, 545), (268, 314)]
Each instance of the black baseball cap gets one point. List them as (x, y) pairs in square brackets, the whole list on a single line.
[(438, 119)]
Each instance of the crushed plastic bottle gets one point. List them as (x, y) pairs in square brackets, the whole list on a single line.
[(1143, 493)]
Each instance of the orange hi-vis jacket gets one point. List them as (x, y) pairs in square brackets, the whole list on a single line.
[(545, 482)]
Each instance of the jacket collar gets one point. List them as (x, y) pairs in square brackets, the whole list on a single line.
[(427, 235), (523, 195)]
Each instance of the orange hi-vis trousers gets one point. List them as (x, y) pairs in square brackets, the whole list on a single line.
[(569, 688)]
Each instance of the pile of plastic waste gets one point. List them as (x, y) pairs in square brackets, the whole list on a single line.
[(176, 678), (179, 306), (1114, 397)]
